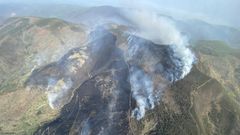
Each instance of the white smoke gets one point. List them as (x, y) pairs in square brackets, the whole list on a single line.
[(162, 31), (13, 14), (156, 28), (85, 128), (57, 89), (142, 91)]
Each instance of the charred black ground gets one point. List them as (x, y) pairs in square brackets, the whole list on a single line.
[(103, 103)]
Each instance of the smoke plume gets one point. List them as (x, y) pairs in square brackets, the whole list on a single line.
[(161, 31), (142, 90), (56, 90)]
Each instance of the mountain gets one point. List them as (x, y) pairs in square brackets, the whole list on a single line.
[(195, 29), (40, 10), (62, 78), (200, 30)]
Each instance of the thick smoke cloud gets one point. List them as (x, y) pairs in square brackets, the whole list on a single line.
[(161, 31), (155, 28)]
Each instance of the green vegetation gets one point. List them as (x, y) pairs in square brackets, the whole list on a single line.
[(215, 48), (28, 112), (51, 23)]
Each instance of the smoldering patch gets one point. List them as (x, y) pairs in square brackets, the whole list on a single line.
[(142, 91), (57, 89)]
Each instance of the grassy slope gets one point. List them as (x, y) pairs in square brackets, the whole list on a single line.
[(219, 61), (23, 111)]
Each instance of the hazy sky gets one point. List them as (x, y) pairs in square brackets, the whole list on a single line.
[(215, 11)]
